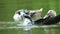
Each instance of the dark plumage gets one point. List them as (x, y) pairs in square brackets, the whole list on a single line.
[(18, 13), (48, 20), (28, 17)]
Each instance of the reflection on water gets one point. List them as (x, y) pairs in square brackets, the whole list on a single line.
[(12, 28)]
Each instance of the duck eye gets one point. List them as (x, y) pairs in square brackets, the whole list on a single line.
[(19, 13)]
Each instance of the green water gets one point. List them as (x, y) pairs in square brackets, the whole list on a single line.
[(8, 7)]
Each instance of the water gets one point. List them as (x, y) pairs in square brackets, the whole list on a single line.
[(12, 28)]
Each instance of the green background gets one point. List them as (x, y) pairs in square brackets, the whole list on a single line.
[(8, 8)]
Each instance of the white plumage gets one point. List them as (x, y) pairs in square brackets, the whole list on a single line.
[(50, 13), (17, 17), (36, 14)]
